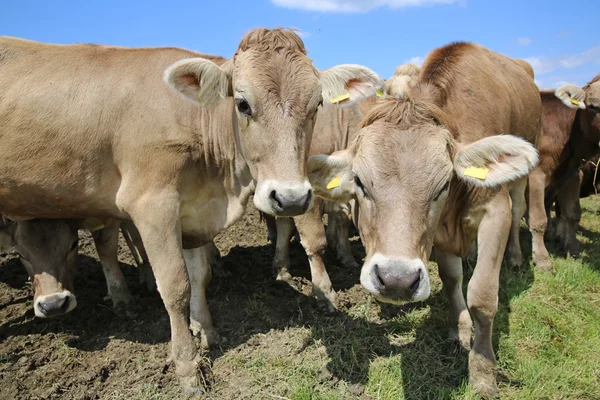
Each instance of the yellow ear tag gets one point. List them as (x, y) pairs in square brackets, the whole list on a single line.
[(335, 182), (575, 101), (340, 98), (476, 172), (379, 93)]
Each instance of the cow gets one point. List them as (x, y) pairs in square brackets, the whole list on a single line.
[(571, 136), (590, 184), (434, 171), (48, 251), (93, 131)]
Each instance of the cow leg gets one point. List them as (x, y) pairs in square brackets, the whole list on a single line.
[(281, 262), (198, 262), (313, 239), (271, 227), (482, 292), (459, 320), (538, 219), (107, 242), (158, 224), (136, 247), (342, 243), (570, 215), (514, 256)]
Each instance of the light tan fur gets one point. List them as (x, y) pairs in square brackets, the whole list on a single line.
[(94, 131)]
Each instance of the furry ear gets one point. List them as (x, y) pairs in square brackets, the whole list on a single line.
[(495, 160), (348, 83), (331, 176), (571, 95), (200, 80)]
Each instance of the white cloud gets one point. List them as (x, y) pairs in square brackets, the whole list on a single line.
[(523, 41), (415, 60), (357, 6), (543, 65)]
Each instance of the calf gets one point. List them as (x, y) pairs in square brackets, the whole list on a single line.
[(433, 170)]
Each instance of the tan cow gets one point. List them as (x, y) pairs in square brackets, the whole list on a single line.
[(48, 251), (433, 170), (93, 131)]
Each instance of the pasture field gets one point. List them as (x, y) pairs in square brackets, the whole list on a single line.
[(279, 346)]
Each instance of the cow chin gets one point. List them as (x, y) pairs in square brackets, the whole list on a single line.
[(283, 199), (395, 280), (54, 304)]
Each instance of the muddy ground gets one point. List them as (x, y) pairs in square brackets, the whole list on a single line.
[(98, 352)]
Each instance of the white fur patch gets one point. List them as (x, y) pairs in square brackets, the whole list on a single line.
[(355, 81), (507, 157), (199, 80)]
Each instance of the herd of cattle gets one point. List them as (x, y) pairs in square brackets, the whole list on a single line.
[(168, 145)]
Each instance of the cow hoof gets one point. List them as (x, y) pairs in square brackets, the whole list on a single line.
[(120, 298), (326, 306), (543, 265), (284, 276), (486, 390), (191, 384), (210, 338)]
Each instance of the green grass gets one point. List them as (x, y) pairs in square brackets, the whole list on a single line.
[(546, 337)]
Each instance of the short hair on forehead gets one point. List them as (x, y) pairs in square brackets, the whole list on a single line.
[(277, 39), (590, 83), (407, 69)]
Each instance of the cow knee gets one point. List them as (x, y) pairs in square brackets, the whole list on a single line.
[(315, 245), (482, 306)]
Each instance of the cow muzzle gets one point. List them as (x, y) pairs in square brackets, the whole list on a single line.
[(283, 200), (396, 280), (54, 304)]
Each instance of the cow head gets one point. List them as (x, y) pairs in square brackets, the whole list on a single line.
[(48, 250), (400, 171), (276, 91)]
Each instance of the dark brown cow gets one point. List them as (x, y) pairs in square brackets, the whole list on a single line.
[(571, 136)]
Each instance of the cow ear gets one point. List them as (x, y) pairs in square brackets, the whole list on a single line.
[(348, 83), (571, 95), (331, 176), (200, 80), (495, 160)]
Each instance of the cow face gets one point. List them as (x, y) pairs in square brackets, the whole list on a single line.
[(48, 250), (587, 99), (400, 179), (276, 91)]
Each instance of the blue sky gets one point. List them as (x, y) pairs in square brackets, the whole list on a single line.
[(560, 38)]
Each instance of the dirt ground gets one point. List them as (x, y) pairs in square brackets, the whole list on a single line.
[(97, 352)]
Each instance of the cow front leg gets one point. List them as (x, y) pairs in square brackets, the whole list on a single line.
[(313, 239), (459, 319), (198, 262), (107, 243), (538, 219), (514, 255), (342, 244), (281, 262), (568, 222), (157, 219), (482, 292)]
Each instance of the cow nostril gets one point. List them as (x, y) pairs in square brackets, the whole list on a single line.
[(376, 268), (415, 285), (273, 196)]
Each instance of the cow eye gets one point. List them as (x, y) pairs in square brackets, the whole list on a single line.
[(359, 184), (243, 107), (320, 103), (446, 186)]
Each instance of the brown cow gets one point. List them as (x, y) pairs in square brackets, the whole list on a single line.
[(571, 136), (92, 131), (433, 170)]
